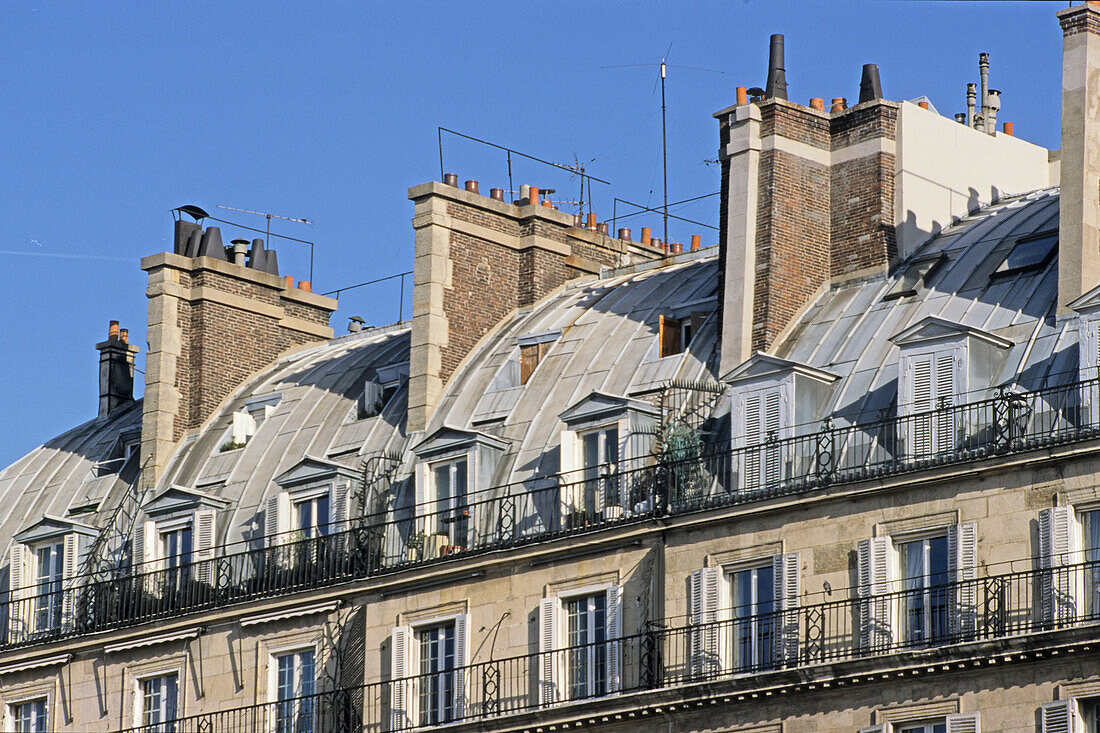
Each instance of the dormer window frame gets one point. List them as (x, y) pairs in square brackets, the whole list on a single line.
[(379, 389), (175, 510), (247, 421), (938, 363), (307, 480), (770, 398), (449, 525), (594, 493), (676, 329), (533, 348), (34, 609)]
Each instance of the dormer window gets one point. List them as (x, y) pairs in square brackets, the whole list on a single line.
[(604, 435), (768, 398), (44, 562), (675, 334), (940, 365), (379, 389), (175, 543), (1029, 253), (532, 349), (310, 504), (452, 465), (248, 420)]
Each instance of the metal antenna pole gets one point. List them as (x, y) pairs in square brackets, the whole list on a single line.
[(276, 216), (664, 146)]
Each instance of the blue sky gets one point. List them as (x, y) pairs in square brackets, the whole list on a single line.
[(114, 113)]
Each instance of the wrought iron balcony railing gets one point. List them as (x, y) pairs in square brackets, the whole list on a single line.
[(741, 645), (507, 516)]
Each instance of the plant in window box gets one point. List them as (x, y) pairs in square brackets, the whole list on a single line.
[(414, 549), (231, 445)]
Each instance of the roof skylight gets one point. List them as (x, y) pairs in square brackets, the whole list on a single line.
[(1029, 253)]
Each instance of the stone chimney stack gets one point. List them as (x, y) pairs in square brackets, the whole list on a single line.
[(116, 370), (1079, 207), (212, 324)]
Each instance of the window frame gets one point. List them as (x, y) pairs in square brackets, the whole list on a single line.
[(11, 720), (274, 654), (142, 695)]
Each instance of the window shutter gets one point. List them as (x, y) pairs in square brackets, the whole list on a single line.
[(549, 656), (880, 728), (752, 430), (945, 396), (244, 427), (614, 631), (962, 549), (772, 425), (370, 403), (338, 500), (875, 561), (669, 329), (277, 519), (462, 646), (920, 401), (1060, 583), (786, 572), (144, 547), (403, 696), (205, 533), (528, 360), (704, 614), (1059, 716), (968, 723), (70, 565), (20, 612)]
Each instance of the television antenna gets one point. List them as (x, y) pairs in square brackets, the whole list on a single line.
[(269, 217), (664, 134)]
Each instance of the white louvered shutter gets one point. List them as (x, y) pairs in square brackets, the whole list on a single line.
[(705, 611), (964, 723), (614, 631), (786, 574), (1061, 581), (773, 463), (70, 566), (371, 404), (550, 658), (752, 436), (962, 548), (144, 547), (277, 519), (20, 612), (945, 396), (876, 573), (462, 647), (880, 728), (1059, 716), (205, 534), (338, 500), (403, 697), (244, 427), (920, 401)]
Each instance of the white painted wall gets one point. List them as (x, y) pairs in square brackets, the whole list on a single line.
[(942, 169)]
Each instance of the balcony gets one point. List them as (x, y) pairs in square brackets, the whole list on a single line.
[(941, 623), (674, 482)]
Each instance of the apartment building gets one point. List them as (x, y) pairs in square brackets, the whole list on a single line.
[(836, 473)]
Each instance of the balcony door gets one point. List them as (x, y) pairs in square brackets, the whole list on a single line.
[(296, 683), (586, 655), (926, 572), (753, 607), (49, 576), (437, 674)]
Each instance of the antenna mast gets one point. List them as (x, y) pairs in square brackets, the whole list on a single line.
[(664, 147), (269, 218)]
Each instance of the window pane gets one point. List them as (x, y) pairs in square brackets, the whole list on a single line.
[(322, 513)]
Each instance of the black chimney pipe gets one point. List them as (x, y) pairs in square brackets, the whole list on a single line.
[(777, 73), (869, 86)]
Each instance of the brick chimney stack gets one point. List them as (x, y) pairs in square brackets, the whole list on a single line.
[(477, 259), (212, 324), (116, 370), (1079, 207)]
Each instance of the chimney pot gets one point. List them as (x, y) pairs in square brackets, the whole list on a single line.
[(676, 248), (547, 204), (240, 251), (922, 105), (496, 193), (624, 234), (305, 285), (471, 186), (289, 280), (742, 97), (645, 235), (777, 75), (591, 220), (839, 104), (1008, 128), (450, 179), (603, 228), (817, 103), (695, 242), (578, 220), (870, 86), (124, 335), (112, 331), (533, 195), (960, 117)]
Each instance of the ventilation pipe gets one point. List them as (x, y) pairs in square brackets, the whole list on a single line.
[(869, 85), (983, 75), (212, 246), (993, 106), (777, 73)]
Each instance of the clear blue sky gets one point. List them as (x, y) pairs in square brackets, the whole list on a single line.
[(113, 113)]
